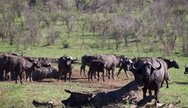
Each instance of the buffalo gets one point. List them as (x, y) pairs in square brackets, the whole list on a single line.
[(112, 61), (45, 72), (96, 66), (85, 61), (2, 73), (186, 70), (151, 72), (65, 66), (77, 99), (125, 64), (5, 74), (169, 64), (17, 65)]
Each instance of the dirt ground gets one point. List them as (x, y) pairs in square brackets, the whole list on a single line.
[(107, 85)]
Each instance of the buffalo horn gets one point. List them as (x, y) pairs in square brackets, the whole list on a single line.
[(75, 59), (68, 91), (157, 68)]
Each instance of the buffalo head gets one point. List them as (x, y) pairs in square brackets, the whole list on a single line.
[(174, 64), (77, 99), (142, 69), (68, 60), (126, 63), (148, 69), (170, 63)]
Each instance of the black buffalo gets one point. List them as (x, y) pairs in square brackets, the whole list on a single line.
[(2, 65), (5, 74), (77, 99), (45, 72), (17, 65), (152, 73), (125, 64), (112, 61), (96, 66), (65, 66), (169, 64), (85, 61)]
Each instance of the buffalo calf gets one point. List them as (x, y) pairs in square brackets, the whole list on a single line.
[(96, 66)]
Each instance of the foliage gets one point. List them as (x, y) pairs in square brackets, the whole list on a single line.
[(111, 24)]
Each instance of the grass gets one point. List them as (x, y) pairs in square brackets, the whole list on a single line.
[(19, 96)]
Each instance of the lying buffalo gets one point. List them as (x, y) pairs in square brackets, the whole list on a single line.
[(45, 72), (77, 99), (101, 99)]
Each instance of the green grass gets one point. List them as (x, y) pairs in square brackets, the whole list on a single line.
[(21, 96)]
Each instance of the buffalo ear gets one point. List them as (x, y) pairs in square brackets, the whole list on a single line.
[(68, 91)]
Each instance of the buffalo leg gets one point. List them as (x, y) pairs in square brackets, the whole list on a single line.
[(156, 94), (65, 77), (166, 83), (119, 71), (94, 73), (150, 92), (82, 68), (89, 75), (21, 75), (17, 76), (162, 83), (31, 77), (113, 73), (70, 73), (103, 76), (126, 73), (60, 75), (144, 92), (98, 75), (108, 73)]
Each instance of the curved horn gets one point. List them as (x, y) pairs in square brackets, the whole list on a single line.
[(136, 68), (75, 59), (135, 57), (185, 65), (157, 68)]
